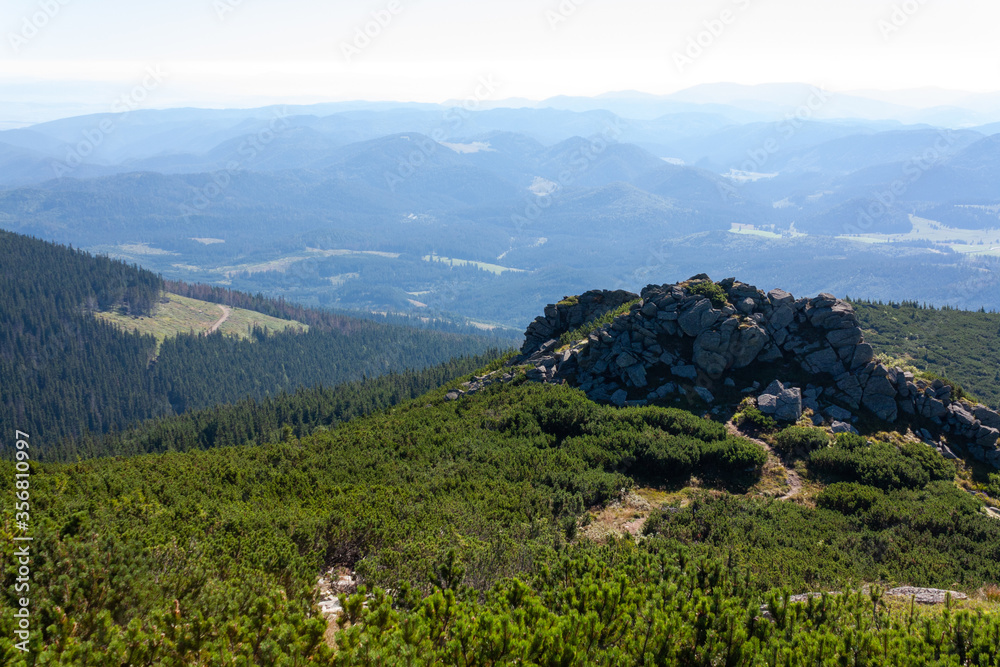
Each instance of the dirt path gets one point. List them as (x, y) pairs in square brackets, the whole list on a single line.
[(226, 312), (794, 481)]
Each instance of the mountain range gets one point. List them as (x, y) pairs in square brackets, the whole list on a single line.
[(431, 210)]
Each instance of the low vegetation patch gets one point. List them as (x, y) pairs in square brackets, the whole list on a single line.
[(571, 337)]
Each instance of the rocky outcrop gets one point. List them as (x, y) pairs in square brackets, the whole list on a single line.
[(719, 343), (571, 314)]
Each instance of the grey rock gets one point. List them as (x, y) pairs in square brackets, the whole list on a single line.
[(987, 417), (781, 318), (863, 355), (960, 415), (626, 359), (879, 385), (770, 355), (836, 413), (746, 306), (698, 318), (778, 297), (933, 408), (689, 372), (746, 345), (649, 310), (844, 337), (637, 374), (711, 362), (987, 437), (824, 361), (705, 394), (619, 398), (843, 427), (926, 595), (768, 403), (884, 407), (784, 403)]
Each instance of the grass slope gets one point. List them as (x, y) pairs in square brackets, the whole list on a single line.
[(181, 315)]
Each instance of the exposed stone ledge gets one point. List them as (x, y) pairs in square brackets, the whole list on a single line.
[(676, 341)]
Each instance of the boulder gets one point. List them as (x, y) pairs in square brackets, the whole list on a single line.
[(746, 345), (705, 394), (987, 417), (879, 385), (824, 361), (863, 355), (987, 437), (712, 363), (783, 403), (838, 414), (843, 427), (779, 297), (884, 407), (619, 398), (688, 372), (845, 337), (637, 374), (698, 318)]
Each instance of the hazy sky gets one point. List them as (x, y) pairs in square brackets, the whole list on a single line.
[(243, 52)]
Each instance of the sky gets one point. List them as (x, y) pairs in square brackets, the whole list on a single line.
[(58, 55)]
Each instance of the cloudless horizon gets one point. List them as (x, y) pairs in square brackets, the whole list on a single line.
[(62, 58)]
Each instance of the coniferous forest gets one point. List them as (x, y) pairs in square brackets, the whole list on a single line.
[(69, 374), (186, 499)]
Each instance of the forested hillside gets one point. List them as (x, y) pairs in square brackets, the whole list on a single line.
[(961, 345), (256, 422), (67, 373)]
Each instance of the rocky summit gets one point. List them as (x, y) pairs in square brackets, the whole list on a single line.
[(721, 343)]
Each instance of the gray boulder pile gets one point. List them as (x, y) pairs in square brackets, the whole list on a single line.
[(720, 342)]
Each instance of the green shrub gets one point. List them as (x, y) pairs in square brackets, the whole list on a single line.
[(849, 497), (752, 417), (806, 438), (710, 290), (937, 466), (733, 454), (742, 453), (669, 455), (993, 485), (878, 464), (590, 327)]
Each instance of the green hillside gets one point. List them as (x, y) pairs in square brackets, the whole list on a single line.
[(475, 512), (961, 345), (87, 346), (511, 522)]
